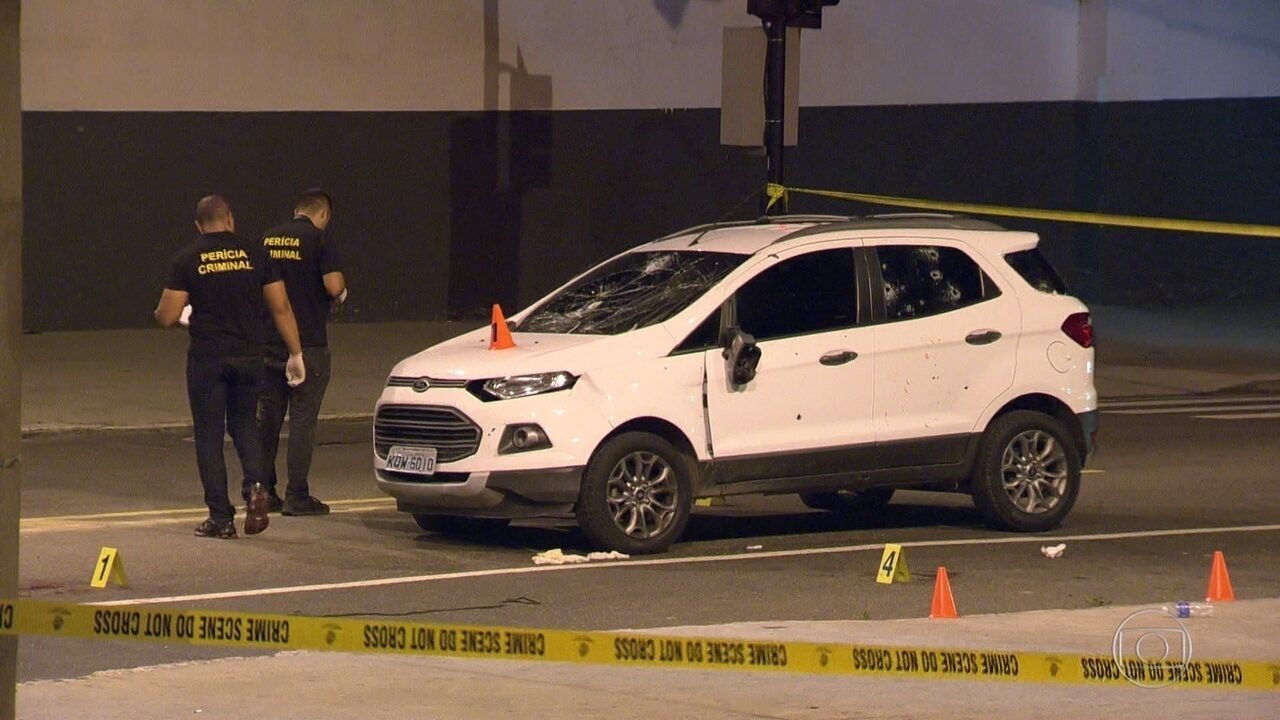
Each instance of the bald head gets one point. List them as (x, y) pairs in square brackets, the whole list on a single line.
[(213, 214)]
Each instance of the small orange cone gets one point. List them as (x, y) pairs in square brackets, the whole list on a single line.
[(1219, 581), (499, 333), (944, 606)]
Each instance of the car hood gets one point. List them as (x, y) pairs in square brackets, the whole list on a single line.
[(468, 357)]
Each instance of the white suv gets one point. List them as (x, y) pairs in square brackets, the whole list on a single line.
[(836, 358)]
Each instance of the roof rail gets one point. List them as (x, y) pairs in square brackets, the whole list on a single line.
[(702, 229), (912, 221), (768, 219), (763, 220), (832, 223), (885, 216)]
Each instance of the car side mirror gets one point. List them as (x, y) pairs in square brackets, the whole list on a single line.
[(741, 355)]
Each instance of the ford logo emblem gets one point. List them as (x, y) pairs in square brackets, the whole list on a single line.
[(421, 384)]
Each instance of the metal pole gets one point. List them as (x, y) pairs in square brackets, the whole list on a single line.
[(10, 334), (775, 63)]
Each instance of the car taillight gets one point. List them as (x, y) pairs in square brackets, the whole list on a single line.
[(1079, 327)]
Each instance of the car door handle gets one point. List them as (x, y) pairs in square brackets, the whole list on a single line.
[(838, 357), (982, 337)]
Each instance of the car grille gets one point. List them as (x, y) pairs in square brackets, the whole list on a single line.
[(403, 381), (450, 432), (440, 478)]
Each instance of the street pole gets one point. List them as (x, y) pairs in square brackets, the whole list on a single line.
[(775, 67), (10, 334)]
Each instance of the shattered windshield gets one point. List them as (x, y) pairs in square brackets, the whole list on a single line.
[(631, 291)]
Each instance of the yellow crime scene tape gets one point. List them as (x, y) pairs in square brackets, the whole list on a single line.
[(778, 193), (294, 632)]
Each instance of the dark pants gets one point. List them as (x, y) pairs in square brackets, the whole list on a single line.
[(302, 404), (224, 396)]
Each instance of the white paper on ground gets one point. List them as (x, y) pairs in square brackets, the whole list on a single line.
[(611, 555), (1053, 551), (559, 557)]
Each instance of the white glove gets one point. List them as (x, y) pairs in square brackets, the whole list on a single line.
[(339, 300), (185, 318), (295, 372)]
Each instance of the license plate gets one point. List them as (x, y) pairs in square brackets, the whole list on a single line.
[(417, 460)]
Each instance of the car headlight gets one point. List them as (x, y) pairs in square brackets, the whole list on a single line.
[(518, 386)]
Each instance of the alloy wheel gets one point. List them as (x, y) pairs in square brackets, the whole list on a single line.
[(1035, 472), (642, 495)]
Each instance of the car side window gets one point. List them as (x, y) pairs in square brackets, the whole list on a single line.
[(703, 337), (810, 293), (923, 280)]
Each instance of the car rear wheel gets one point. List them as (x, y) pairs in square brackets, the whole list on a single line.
[(849, 501), (636, 494), (1027, 474)]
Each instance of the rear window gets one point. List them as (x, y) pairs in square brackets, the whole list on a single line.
[(924, 280), (631, 291), (1036, 270)]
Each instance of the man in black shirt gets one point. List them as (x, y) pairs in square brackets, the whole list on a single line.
[(230, 284), (308, 262)]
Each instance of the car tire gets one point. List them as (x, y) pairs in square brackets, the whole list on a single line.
[(849, 501), (455, 525), (636, 494), (1027, 473)]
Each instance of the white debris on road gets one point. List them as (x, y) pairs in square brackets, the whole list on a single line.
[(559, 557), (611, 555), (1053, 551)]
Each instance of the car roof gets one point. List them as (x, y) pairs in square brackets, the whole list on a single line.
[(751, 236)]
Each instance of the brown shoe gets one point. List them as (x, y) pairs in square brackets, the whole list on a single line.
[(256, 518)]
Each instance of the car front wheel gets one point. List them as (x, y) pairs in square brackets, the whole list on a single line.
[(1027, 473), (636, 494)]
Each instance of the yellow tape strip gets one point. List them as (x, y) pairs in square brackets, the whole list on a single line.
[(777, 192), (292, 632)]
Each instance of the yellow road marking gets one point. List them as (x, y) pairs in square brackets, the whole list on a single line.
[(148, 518)]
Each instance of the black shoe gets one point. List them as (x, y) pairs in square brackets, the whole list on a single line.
[(223, 530), (305, 506), (256, 519)]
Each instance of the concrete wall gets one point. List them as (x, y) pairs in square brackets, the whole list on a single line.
[(1183, 49), (245, 55), (482, 150)]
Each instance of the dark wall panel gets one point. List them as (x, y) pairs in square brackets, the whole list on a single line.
[(110, 197), (442, 214), (1203, 160), (1026, 154)]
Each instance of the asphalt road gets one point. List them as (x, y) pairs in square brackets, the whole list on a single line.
[(1205, 469)]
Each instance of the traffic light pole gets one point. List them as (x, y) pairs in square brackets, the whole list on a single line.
[(775, 67)]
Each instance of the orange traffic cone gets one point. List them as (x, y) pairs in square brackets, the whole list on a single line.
[(1219, 581), (944, 606), (499, 333)]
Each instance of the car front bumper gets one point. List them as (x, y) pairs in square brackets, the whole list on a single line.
[(507, 494), (490, 479)]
